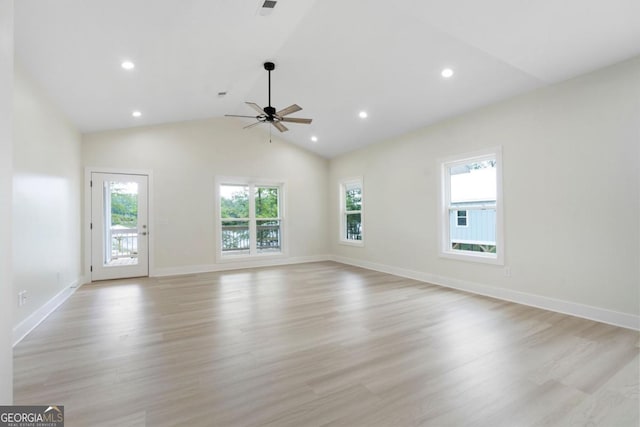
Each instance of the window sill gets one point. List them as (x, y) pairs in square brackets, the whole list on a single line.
[(239, 258), (470, 257), (357, 243)]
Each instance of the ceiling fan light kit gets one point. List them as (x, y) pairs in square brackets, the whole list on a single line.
[(269, 114)]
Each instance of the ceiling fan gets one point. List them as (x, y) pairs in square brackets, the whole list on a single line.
[(269, 114)]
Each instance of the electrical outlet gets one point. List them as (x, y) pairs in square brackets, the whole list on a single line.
[(507, 272), (22, 298)]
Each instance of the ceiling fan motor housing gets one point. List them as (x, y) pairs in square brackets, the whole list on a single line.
[(270, 112)]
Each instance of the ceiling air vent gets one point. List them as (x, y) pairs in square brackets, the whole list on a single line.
[(267, 7)]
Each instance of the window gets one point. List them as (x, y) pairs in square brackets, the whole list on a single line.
[(250, 219), (351, 214), (471, 209), (462, 218)]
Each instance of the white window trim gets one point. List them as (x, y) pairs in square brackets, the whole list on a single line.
[(252, 183), (443, 218), (342, 212)]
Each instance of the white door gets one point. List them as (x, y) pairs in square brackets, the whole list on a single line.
[(119, 226)]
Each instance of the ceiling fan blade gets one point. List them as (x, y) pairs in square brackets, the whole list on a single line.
[(255, 107), (296, 120), (234, 115), (280, 126), (252, 125), (290, 109)]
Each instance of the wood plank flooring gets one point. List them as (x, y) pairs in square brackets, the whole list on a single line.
[(321, 344)]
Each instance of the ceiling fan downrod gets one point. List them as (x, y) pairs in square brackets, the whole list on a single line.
[(269, 110)]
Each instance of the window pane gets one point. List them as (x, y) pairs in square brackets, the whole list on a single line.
[(234, 201), (479, 235), (124, 203), (353, 197), (473, 185), (354, 227), (268, 236), (473, 182), (267, 202), (121, 203), (235, 237)]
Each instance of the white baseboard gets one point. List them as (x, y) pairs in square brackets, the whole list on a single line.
[(235, 265), (81, 281), (30, 323), (602, 315)]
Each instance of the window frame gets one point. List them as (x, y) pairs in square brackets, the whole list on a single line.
[(343, 212), (258, 219), (252, 184), (444, 249)]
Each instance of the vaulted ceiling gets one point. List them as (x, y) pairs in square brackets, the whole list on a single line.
[(334, 58)]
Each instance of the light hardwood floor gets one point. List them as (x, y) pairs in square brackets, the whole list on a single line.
[(321, 344)]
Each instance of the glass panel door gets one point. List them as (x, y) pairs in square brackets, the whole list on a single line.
[(119, 231)]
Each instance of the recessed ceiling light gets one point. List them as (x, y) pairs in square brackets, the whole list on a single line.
[(446, 73), (363, 114), (314, 138), (128, 65), (136, 114)]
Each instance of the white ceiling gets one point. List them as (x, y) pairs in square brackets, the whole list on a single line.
[(333, 58)]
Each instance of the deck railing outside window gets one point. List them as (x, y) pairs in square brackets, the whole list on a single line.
[(236, 237), (124, 243)]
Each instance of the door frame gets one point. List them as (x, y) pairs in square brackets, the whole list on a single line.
[(86, 226)]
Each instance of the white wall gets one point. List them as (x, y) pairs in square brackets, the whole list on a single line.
[(6, 142), (47, 179), (186, 157), (571, 193)]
